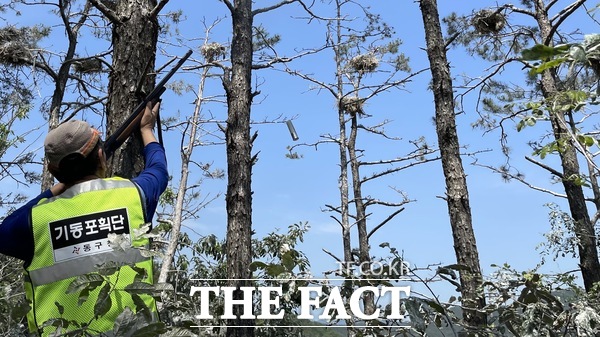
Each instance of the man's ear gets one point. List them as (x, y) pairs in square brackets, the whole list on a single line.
[(102, 166)]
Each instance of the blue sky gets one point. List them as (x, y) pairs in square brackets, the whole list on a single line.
[(509, 218)]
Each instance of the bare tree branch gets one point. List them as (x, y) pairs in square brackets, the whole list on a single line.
[(229, 5), (397, 169), (561, 17), (109, 13), (522, 180), (546, 167), (156, 10), (390, 217), (270, 8)]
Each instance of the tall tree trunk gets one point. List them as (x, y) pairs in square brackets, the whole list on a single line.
[(364, 255), (584, 228), (239, 160), (343, 144), (134, 39), (186, 155), (343, 187), (457, 196)]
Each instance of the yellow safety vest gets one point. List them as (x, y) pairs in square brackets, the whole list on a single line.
[(70, 233)]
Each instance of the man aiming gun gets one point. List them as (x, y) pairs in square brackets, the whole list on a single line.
[(63, 232)]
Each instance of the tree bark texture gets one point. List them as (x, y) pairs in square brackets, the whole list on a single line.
[(239, 160), (364, 255), (344, 220), (134, 41), (584, 228), (343, 145), (457, 196), (186, 155)]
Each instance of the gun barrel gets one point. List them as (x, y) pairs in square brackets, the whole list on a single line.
[(126, 129)]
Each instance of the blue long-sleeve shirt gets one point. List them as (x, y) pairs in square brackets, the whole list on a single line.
[(16, 236)]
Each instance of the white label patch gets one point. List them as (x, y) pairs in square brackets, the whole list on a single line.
[(87, 234)]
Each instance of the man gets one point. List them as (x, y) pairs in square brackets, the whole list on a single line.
[(64, 232)]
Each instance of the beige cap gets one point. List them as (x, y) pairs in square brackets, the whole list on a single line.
[(70, 137)]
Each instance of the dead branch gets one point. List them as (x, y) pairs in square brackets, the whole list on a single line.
[(544, 166), (522, 180), (270, 8), (390, 217), (109, 13), (154, 13), (397, 169)]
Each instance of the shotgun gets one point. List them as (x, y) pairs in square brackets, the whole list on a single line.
[(124, 131)]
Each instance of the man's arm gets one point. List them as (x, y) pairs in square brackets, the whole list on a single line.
[(16, 236), (154, 178)]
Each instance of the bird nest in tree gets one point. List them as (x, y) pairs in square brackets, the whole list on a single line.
[(13, 48), (595, 65), (88, 66), (488, 21), (364, 63), (212, 51), (352, 105)]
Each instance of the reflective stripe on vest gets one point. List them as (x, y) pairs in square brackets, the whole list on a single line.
[(83, 265), (89, 186)]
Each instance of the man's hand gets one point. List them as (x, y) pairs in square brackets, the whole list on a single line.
[(148, 121)]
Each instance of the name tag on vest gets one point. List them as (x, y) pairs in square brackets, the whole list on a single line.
[(87, 234)]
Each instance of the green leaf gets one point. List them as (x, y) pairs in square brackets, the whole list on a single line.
[(529, 298), (436, 306), (530, 121), (254, 266), (142, 308), (578, 180), (124, 322), (58, 323), (151, 330), (140, 288), (61, 309), (83, 296), (526, 121), (87, 281), (587, 141), (141, 273), (108, 268), (20, 310), (287, 260), (104, 302), (275, 269), (543, 52), (537, 112), (546, 65), (413, 306)]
